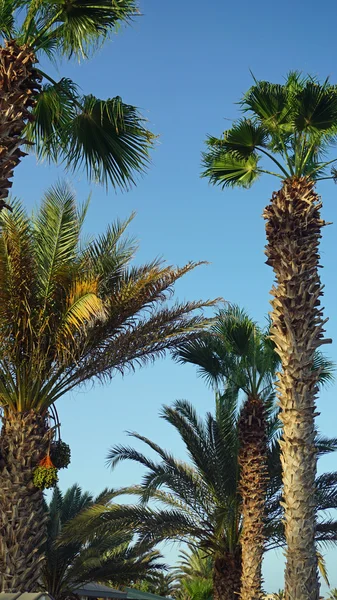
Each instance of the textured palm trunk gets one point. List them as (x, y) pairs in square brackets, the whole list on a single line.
[(253, 489), (227, 576), (19, 86), (293, 232), (23, 442)]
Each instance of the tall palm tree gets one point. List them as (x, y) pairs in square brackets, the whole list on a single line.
[(291, 125), (235, 352), (107, 137), (199, 502), (70, 312), (109, 559)]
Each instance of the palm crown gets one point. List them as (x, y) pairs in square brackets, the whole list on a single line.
[(292, 125), (107, 137), (111, 558), (71, 311)]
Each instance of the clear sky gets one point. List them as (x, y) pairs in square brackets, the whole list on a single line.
[(186, 64)]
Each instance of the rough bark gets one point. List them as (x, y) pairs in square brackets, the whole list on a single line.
[(19, 86), (253, 489), (227, 576), (23, 442), (293, 230)]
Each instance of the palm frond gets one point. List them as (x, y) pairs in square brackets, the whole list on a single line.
[(229, 170), (109, 139), (79, 28)]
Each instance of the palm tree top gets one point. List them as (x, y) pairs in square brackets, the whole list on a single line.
[(108, 138), (63, 27), (291, 124), (71, 311)]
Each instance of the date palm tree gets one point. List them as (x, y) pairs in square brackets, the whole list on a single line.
[(292, 126), (111, 559), (199, 502), (194, 572), (235, 352), (107, 137), (193, 562), (70, 313)]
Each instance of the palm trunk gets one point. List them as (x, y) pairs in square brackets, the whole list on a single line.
[(253, 489), (227, 576), (293, 232), (23, 442), (19, 85)]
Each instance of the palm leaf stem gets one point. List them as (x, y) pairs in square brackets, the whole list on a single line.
[(322, 166), (64, 90), (273, 159), (270, 173), (286, 155), (33, 43)]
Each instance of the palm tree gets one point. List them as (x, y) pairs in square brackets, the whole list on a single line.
[(194, 572), (235, 352), (160, 584), (292, 125), (69, 313), (196, 589), (107, 137), (199, 503), (109, 559), (192, 563)]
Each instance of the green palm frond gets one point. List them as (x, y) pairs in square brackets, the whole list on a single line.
[(106, 557), (57, 233), (81, 26), (229, 170), (244, 138), (56, 107), (270, 103), (109, 139), (325, 367), (316, 108), (234, 352), (7, 20)]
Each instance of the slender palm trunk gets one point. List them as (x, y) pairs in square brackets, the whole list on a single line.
[(23, 442), (19, 85), (293, 232), (253, 489), (227, 576)]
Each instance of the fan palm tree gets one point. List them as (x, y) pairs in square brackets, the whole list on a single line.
[(291, 125), (109, 559), (237, 353), (107, 137), (69, 313), (199, 502)]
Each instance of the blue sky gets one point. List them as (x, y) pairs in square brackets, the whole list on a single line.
[(186, 64)]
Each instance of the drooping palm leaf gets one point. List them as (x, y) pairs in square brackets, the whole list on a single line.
[(72, 311)]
